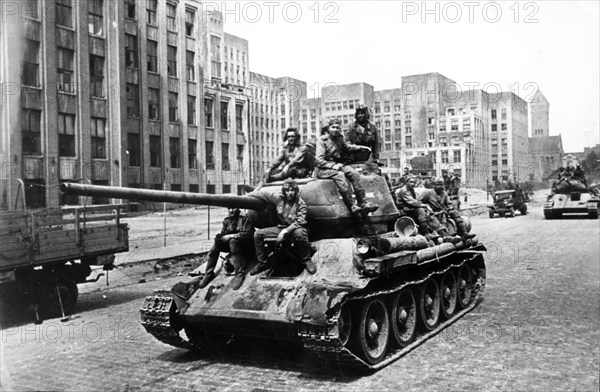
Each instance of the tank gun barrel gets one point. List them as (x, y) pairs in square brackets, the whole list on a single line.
[(229, 201)]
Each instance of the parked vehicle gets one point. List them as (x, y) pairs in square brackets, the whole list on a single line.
[(571, 197), (46, 252), (507, 202)]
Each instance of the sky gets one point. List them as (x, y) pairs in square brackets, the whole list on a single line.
[(518, 45)]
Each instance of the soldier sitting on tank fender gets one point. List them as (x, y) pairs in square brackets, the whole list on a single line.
[(332, 152), (413, 208), (235, 237), (437, 199), (291, 213)]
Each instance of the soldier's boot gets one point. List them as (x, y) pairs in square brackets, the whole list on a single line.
[(365, 206), (208, 277), (447, 237), (239, 272), (350, 203), (306, 252)]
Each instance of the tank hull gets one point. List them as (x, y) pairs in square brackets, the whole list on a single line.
[(306, 308), (571, 203)]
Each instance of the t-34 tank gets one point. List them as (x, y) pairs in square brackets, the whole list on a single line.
[(375, 296), (571, 196)]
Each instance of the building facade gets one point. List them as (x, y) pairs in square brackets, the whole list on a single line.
[(127, 93), (539, 108)]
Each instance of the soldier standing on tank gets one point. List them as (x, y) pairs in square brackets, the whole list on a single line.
[(332, 155), (413, 208), (362, 132), (291, 214), (235, 237), (437, 199), (280, 168)]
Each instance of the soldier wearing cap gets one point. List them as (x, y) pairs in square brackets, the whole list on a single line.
[(452, 186), (362, 132), (291, 214), (332, 156), (295, 161)]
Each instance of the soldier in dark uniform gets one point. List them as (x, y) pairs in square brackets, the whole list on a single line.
[(235, 237), (295, 160), (362, 132), (413, 208), (332, 155), (438, 201), (291, 214)]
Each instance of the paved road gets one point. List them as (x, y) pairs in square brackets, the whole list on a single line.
[(536, 330)]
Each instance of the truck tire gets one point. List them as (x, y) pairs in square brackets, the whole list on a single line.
[(48, 295), (523, 209), (491, 214), (593, 214)]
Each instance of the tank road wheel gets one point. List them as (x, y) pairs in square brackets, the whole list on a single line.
[(50, 290), (345, 325), (429, 305), (464, 285), (373, 332), (448, 294), (404, 318)]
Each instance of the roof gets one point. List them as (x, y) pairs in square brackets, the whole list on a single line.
[(546, 144)]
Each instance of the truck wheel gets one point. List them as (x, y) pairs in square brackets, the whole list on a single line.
[(523, 209), (491, 214), (548, 214), (51, 287), (593, 214)]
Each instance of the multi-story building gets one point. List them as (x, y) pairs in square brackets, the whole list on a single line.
[(546, 153), (120, 93), (274, 107), (539, 109)]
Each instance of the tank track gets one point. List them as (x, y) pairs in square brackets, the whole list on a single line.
[(156, 315), (325, 344)]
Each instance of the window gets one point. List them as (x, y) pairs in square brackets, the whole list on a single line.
[(131, 51), (151, 12), (208, 112), (66, 135), (31, 133), (190, 17), (176, 187), (155, 149), (505, 161), (130, 9), (386, 106), (133, 149), (192, 153), (215, 56), (64, 70), (64, 13), (444, 156), (194, 188), (210, 189), (226, 188), (408, 141), (98, 134), (408, 130), (173, 107), (454, 124), (191, 110), (210, 157), (224, 115), (35, 193), (96, 76), (175, 152), (132, 97), (493, 114), (503, 114), (96, 17), (503, 126), (153, 104), (388, 135), (225, 156), (31, 63), (171, 16), (239, 110), (494, 162), (466, 124), (240, 157), (456, 156), (152, 56), (190, 67), (172, 60)]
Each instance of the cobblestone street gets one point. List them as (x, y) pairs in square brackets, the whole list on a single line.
[(537, 329)]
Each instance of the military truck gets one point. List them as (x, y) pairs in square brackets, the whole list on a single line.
[(377, 293), (46, 252), (506, 202)]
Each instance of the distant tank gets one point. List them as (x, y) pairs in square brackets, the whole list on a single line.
[(571, 197), (376, 294)]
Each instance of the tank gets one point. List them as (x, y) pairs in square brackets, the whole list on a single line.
[(571, 197), (376, 295)]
